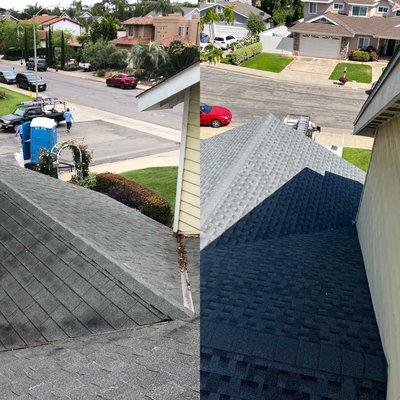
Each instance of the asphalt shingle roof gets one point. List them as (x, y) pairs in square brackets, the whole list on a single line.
[(286, 309)]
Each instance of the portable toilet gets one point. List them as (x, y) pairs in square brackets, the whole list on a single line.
[(25, 134), (43, 136)]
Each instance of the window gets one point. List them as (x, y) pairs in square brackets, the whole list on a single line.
[(181, 31), (359, 11), (338, 6), (398, 13), (312, 8), (363, 42), (205, 108), (383, 9), (130, 31)]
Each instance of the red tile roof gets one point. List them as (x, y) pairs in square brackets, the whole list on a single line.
[(139, 21), (129, 41), (167, 41)]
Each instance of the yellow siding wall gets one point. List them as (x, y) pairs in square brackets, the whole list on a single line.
[(189, 214), (378, 226)]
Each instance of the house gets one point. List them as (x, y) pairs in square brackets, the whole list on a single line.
[(242, 12), (183, 87), (55, 22), (160, 29), (79, 296), (335, 28), (378, 214), (286, 311)]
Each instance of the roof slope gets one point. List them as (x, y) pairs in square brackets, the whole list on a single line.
[(286, 308)]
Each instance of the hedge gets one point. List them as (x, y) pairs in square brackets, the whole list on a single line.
[(135, 196), (244, 53), (359, 55)]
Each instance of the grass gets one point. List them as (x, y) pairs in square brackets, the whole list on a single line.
[(268, 62), (11, 101), (361, 73), (160, 179), (358, 157)]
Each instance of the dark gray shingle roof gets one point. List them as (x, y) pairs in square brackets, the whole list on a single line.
[(286, 308)]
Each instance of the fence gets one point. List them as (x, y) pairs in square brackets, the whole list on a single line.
[(277, 40)]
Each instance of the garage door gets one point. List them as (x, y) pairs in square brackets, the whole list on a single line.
[(320, 46)]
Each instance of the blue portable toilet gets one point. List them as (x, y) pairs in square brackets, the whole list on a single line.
[(25, 134), (43, 136)]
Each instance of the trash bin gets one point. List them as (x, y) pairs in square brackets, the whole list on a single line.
[(25, 134), (43, 136)]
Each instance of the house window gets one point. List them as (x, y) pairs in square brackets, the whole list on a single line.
[(181, 31), (363, 42), (130, 31), (312, 8), (383, 9), (359, 11), (338, 6)]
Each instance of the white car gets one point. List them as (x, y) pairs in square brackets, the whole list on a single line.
[(223, 42)]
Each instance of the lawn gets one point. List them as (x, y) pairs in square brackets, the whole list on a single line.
[(12, 99), (268, 62), (361, 73), (358, 157), (160, 179)]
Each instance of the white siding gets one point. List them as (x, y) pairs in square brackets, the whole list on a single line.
[(74, 28)]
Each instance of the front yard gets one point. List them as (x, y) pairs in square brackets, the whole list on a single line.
[(358, 157), (11, 101), (361, 73), (268, 62)]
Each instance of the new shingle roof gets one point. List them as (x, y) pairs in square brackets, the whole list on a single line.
[(286, 309)]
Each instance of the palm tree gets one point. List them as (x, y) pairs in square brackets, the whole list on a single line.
[(212, 16), (148, 57), (164, 7)]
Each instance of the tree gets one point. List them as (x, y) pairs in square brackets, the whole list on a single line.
[(26, 45), (164, 7), (62, 56), (141, 9), (280, 17), (255, 25), (50, 49), (105, 30), (102, 55), (211, 16), (148, 57), (211, 54)]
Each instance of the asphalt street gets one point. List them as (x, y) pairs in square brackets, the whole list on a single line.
[(249, 97), (97, 95)]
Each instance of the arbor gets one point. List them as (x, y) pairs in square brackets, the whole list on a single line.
[(148, 57), (255, 25), (105, 30), (102, 55)]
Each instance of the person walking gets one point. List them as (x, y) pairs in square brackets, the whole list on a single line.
[(68, 119)]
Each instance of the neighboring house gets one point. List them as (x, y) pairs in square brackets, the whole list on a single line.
[(161, 29), (242, 12), (58, 22), (184, 87), (334, 28), (378, 218), (286, 311)]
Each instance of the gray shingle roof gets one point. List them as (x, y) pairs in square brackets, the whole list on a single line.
[(286, 308)]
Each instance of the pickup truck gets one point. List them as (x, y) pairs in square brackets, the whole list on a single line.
[(26, 111), (85, 66)]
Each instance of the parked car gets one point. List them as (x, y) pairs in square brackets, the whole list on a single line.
[(41, 64), (214, 116), (28, 81), (223, 42), (7, 77), (122, 80), (49, 107)]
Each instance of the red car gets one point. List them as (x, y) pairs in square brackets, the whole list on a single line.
[(214, 116), (122, 81)]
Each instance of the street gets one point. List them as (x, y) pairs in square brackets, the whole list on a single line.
[(249, 97)]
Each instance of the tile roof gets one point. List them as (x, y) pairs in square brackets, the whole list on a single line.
[(129, 41), (139, 21), (286, 308), (167, 41)]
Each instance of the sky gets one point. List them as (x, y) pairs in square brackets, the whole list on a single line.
[(21, 4)]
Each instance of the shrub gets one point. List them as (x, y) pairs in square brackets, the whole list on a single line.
[(70, 67), (101, 73), (245, 42), (255, 24), (244, 53), (373, 56), (359, 55), (134, 195), (89, 182)]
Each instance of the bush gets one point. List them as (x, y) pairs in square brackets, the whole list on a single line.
[(373, 56), (245, 42), (135, 196), (70, 67), (89, 182), (101, 73), (244, 53), (359, 55)]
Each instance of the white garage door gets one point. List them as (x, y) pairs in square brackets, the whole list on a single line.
[(320, 46)]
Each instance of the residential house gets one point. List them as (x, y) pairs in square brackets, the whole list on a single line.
[(183, 87), (161, 29), (56, 22), (286, 311), (242, 12), (335, 28), (378, 218)]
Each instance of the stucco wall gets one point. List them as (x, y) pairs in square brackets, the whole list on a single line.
[(378, 225), (189, 210)]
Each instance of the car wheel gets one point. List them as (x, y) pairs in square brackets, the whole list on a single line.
[(215, 123), (108, 83), (122, 86)]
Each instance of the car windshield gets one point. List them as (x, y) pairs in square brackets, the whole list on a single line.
[(205, 108), (219, 39), (31, 78), (8, 73), (19, 111)]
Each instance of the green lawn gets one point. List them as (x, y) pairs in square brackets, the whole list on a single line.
[(12, 99), (268, 62), (160, 179), (358, 157), (361, 73)]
